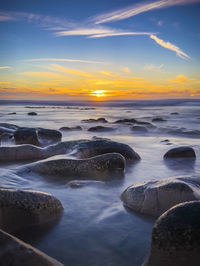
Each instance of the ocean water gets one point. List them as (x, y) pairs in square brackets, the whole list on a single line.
[(95, 228)]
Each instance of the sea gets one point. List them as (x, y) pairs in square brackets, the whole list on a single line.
[(96, 229)]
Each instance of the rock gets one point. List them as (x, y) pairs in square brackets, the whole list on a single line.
[(150, 125), (9, 126), (96, 167), (49, 136), (139, 129), (70, 128), (156, 196), (15, 252), (101, 129), (165, 140), (91, 120), (22, 208), (102, 146), (30, 152), (83, 183), (174, 113), (26, 136), (32, 113), (13, 113), (176, 237), (126, 120), (5, 130), (180, 152), (158, 119)]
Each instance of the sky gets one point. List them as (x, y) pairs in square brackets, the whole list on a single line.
[(99, 50)]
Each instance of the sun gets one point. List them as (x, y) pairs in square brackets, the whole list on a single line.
[(98, 93)]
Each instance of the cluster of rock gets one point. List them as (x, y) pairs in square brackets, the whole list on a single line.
[(34, 136), (20, 209), (176, 233), (97, 159)]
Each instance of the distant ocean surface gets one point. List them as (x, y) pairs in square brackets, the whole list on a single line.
[(95, 228)]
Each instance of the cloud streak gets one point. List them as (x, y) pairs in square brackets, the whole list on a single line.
[(5, 67), (170, 46), (64, 60), (138, 9)]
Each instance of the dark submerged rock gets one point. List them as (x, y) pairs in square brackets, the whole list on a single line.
[(174, 113), (26, 208), (91, 120), (17, 253), (139, 129), (71, 128), (26, 136), (101, 129), (102, 146), (159, 119), (176, 237), (126, 120), (32, 113), (180, 152), (13, 113)]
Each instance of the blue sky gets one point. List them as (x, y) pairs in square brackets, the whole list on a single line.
[(110, 41)]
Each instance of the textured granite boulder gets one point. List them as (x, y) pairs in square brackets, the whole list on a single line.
[(102, 146), (94, 168), (156, 196), (48, 136), (176, 237), (26, 136), (180, 152), (15, 252), (22, 208)]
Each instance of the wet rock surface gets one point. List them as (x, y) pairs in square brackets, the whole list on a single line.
[(26, 136), (71, 128), (26, 208), (156, 196), (92, 120), (102, 146), (180, 152), (17, 253), (101, 129), (176, 237), (93, 168)]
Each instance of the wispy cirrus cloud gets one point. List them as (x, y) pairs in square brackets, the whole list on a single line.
[(64, 60), (170, 46), (59, 68), (138, 9), (5, 67)]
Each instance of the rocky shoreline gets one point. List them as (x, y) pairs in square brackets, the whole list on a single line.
[(98, 160)]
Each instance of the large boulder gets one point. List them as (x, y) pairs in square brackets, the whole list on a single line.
[(31, 152), (126, 120), (26, 136), (102, 146), (22, 208), (176, 237), (180, 152), (94, 168), (48, 136), (156, 196), (17, 253)]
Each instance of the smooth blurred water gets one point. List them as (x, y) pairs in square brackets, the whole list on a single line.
[(95, 228)]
